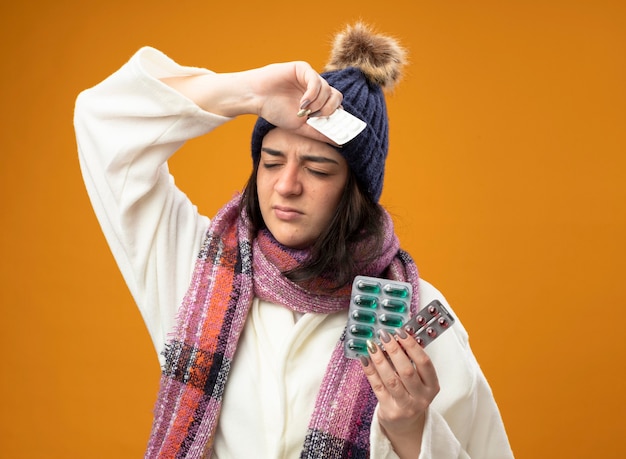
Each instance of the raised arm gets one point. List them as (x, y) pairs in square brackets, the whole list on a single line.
[(129, 125), (277, 92)]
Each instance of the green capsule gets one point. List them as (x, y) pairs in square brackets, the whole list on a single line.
[(368, 286), (357, 345), (398, 306), (398, 291), (364, 317), (366, 301), (391, 320), (362, 331)]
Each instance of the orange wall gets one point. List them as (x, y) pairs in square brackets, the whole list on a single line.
[(506, 178)]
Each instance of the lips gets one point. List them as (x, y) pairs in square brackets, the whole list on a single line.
[(286, 213)]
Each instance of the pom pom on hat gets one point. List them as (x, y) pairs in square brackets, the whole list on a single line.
[(362, 64), (379, 57)]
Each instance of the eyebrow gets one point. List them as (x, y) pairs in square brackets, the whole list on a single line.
[(311, 158)]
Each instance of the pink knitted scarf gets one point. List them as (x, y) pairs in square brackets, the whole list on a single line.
[(232, 268)]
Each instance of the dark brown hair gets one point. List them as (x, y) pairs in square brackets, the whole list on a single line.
[(341, 249)]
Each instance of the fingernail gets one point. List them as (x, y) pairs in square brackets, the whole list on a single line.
[(304, 112), (401, 333), (385, 336), (371, 346), (305, 104), (364, 361)]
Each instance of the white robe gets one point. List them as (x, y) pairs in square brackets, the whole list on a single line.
[(127, 127)]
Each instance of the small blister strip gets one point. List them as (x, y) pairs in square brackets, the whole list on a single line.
[(429, 323), (340, 127), (375, 304)]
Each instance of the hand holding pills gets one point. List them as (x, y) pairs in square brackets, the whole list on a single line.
[(390, 347), (405, 382)]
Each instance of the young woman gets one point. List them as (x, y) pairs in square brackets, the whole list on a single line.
[(248, 310)]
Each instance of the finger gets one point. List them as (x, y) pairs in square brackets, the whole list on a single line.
[(373, 376), (402, 364), (319, 97), (391, 382), (422, 363), (331, 104), (326, 103), (334, 101), (314, 85)]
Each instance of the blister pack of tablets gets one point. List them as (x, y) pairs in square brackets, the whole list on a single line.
[(429, 323), (381, 304), (340, 127)]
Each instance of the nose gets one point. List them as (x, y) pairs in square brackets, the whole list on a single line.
[(288, 182)]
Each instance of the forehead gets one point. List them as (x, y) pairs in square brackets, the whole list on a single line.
[(287, 142)]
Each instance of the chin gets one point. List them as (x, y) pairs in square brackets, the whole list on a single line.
[(293, 242)]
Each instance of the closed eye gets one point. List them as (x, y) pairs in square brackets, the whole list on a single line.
[(317, 165), (267, 165), (318, 172)]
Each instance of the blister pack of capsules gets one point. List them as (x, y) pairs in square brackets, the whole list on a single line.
[(381, 304)]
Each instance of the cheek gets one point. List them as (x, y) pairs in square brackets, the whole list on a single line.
[(329, 203), (261, 187), (334, 193)]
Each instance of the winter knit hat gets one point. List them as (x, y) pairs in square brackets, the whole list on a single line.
[(362, 64)]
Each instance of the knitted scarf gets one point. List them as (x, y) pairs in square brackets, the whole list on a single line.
[(232, 268)]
